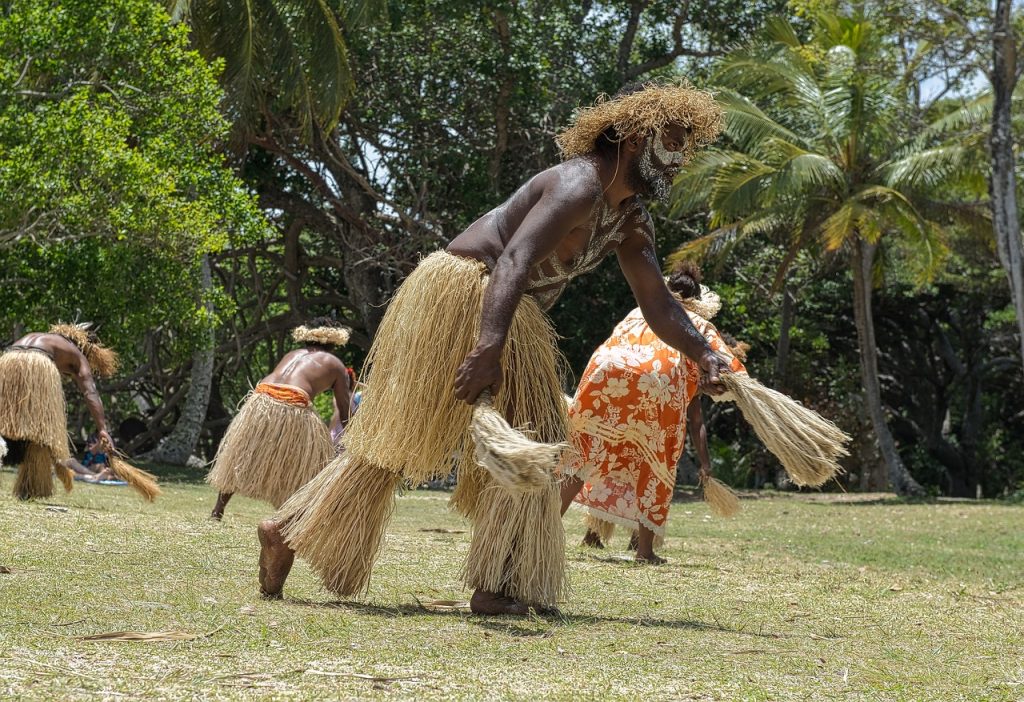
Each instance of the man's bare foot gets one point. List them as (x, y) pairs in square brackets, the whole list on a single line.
[(634, 542), (275, 559), (484, 602), (592, 540), (217, 514), (650, 558)]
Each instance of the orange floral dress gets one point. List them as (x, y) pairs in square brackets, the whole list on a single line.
[(628, 422)]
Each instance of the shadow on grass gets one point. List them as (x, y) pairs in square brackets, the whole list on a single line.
[(525, 627), (167, 473)]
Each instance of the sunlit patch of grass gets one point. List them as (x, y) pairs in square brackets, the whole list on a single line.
[(792, 600)]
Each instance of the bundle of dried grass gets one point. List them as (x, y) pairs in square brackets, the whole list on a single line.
[(139, 480), (720, 498), (35, 473), (517, 463), (336, 521), (807, 444), (66, 476)]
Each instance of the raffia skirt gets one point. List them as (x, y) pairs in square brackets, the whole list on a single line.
[(271, 449), (32, 410), (410, 427)]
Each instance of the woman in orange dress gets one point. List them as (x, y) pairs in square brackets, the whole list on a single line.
[(630, 415)]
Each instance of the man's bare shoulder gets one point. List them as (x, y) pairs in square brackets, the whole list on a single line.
[(572, 182)]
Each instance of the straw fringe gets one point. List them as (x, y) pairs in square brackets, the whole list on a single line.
[(604, 529), (722, 500), (518, 546), (270, 450), (336, 521), (409, 420), (35, 474), (807, 444), (32, 402)]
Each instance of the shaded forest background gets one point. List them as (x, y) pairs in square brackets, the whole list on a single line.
[(198, 177)]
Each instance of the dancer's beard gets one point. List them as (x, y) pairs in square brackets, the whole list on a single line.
[(646, 178)]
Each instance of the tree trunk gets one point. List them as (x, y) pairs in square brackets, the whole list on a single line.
[(863, 261), (179, 445), (782, 348), (1003, 185)]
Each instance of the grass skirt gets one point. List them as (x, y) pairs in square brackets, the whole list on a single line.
[(32, 402), (270, 450), (409, 425)]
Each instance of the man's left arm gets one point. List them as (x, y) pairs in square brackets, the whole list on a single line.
[(87, 386), (666, 317)]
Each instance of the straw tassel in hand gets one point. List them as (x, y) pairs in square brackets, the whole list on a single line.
[(139, 480), (807, 444), (517, 463)]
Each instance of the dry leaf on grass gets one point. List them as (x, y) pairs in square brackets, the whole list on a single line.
[(443, 531), (153, 636), (444, 605), (364, 676), (5, 570)]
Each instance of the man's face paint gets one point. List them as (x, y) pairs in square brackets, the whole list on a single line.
[(655, 168)]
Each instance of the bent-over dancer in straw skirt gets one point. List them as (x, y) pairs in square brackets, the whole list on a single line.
[(629, 419), (472, 319), (277, 442), (33, 416)]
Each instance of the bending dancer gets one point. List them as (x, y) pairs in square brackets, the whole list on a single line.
[(629, 419), (472, 318), (277, 443), (33, 417)]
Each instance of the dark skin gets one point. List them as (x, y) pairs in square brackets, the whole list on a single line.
[(71, 362), (554, 211), (313, 369)]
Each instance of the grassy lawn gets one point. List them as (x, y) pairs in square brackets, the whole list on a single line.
[(796, 599)]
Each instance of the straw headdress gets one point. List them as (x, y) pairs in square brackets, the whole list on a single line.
[(707, 305), (322, 335), (102, 361), (642, 112)]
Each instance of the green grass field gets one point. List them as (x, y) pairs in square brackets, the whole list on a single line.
[(798, 598)]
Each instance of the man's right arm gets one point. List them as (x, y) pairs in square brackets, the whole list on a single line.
[(559, 210)]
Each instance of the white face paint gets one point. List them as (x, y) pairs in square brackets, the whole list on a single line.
[(662, 156)]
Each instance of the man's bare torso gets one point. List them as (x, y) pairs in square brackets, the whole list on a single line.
[(486, 239), (311, 370), (64, 353)]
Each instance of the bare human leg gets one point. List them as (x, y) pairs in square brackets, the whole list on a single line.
[(645, 547), (222, 502), (276, 559), (571, 487)]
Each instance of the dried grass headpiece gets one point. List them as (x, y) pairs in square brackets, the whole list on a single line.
[(707, 305), (644, 112), (324, 336), (102, 361)]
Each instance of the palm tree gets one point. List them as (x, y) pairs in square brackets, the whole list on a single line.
[(282, 56), (814, 160)]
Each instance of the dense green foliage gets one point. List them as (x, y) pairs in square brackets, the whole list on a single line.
[(375, 135), (111, 179)]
